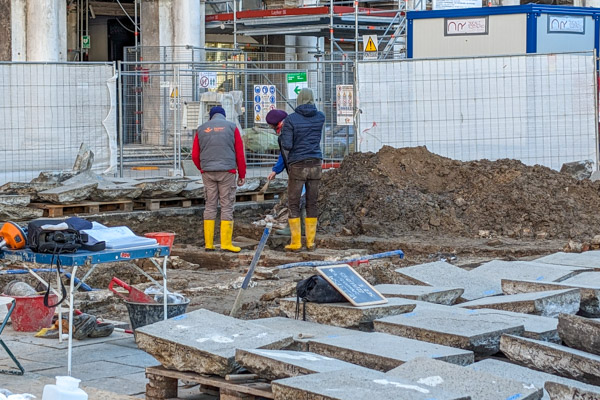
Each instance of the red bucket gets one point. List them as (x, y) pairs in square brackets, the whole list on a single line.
[(163, 238), (30, 313)]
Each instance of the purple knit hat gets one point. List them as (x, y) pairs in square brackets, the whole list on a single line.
[(275, 116)]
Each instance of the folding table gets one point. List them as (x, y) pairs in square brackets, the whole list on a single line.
[(92, 259)]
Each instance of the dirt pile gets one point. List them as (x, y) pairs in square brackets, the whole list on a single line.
[(410, 190)]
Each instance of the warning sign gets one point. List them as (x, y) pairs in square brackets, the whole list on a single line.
[(207, 80), (344, 104), (370, 46), (174, 97), (265, 100)]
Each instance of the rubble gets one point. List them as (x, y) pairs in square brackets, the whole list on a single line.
[(579, 333), (438, 295), (68, 193)]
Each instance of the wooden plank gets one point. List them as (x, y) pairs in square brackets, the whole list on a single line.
[(85, 207)]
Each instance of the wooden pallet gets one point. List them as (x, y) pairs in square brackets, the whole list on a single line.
[(163, 382), (85, 207), (157, 204)]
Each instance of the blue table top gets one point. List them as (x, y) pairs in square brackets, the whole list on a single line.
[(84, 257)]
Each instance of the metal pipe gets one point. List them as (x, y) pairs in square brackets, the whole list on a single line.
[(70, 344), (387, 254), (121, 119)]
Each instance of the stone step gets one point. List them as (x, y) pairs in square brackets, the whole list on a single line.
[(438, 295), (532, 377), (588, 259), (443, 274), (205, 342), (497, 270), (352, 385), (579, 333), (585, 278), (557, 391), (552, 358), (457, 379), (547, 304), (279, 364), (345, 315), (383, 352), (589, 306)]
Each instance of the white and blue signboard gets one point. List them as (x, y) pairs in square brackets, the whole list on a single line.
[(265, 100)]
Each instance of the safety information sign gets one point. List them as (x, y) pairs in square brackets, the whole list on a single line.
[(296, 82), (370, 46), (207, 80), (344, 104), (265, 100)]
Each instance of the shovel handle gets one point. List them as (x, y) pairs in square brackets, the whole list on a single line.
[(120, 283)]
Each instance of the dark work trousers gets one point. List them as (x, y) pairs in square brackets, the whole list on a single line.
[(304, 173)]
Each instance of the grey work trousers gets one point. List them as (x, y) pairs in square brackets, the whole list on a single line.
[(219, 187), (305, 173)]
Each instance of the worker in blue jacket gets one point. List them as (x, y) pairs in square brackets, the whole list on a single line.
[(301, 138)]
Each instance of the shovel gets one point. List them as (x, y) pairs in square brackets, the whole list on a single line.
[(135, 295)]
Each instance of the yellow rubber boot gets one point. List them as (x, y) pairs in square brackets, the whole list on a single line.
[(311, 231), (226, 235), (296, 232), (209, 234)]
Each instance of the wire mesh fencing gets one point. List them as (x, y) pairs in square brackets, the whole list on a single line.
[(540, 109)]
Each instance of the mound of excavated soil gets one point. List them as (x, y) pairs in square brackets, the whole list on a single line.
[(410, 190)]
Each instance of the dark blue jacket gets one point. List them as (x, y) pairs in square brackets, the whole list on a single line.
[(301, 133)]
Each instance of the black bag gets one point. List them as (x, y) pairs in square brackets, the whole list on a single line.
[(315, 289), (50, 241)]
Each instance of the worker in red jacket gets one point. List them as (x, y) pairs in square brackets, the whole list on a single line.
[(218, 151)]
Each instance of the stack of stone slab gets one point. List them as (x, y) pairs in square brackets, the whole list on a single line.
[(14, 207)]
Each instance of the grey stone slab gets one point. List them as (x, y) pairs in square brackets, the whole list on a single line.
[(441, 273), (303, 331), (53, 176), (469, 331), (588, 259), (15, 199), (557, 391), (548, 304), (189, 168), (383, 352), (552, 358), (193, 190), (438, 295), (528, 376), (537, 271), (352, 385), (251, 185), (204, 342), (68, 193), (457, 379), (129, 384), (579, 333), (279, 364), (161, 187), (110, 192), (589, 304), (585, 278), (346, 315), (96, 369), (19, 213), (26, 188)]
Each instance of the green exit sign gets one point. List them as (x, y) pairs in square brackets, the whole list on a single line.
[(296, 77), (85, 42)]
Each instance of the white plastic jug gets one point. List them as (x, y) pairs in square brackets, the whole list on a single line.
[(66, 388)]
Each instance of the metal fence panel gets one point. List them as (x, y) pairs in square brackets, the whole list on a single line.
[(539, 109), (48, 110)]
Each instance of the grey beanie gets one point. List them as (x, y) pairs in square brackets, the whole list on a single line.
[(305, 96)]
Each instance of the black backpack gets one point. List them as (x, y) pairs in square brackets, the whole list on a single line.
[(315, 289)]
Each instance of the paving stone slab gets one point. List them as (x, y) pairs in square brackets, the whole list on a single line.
[(588, 259), (463, 330), (279, 364), (68, 193), (552, 358), (26, 189), (457, 379), (110, 192), (531, 377), (345, 315), (19, 213), (585, 278), (303, 331), (579, 333), (441, 273), (193, 190), (537, 271), (383, 352), (589, 305), (438, 295), (352, 385), (548, 304), (15, 199), (557, 391), (155, 188), (204, 342)]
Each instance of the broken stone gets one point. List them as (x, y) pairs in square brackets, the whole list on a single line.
[(54, 176), (579, 333), (531, 377), (552, 358), (277, 185), (457, 379), (547, 304), (383, 352), (345, 315), (26, 189), (480, 334), (558, 391), (84, 159), (279, 364), (83, 178), (263, 273), (19, 213), (589, 306), (497, 270), (68, 194), (589, 259), (284, 291), (111, 192), (193, 190), (578, 169), (595, 176), (161, 187), (438, 295), (585, 278), (204, 342), (353, 385), (189, 168), (15, 200), (251, 185)]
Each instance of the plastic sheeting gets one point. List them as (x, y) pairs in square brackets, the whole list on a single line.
[(539, 109)]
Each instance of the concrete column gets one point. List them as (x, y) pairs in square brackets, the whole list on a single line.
[(165, 26), (510, 2), (308, 44), (5, 31), (18, 16), (43, 29), (72, 40), (187, 23), (290, 51), (62, 30)]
